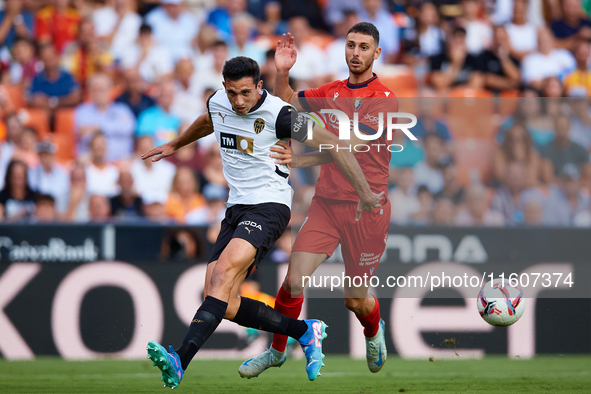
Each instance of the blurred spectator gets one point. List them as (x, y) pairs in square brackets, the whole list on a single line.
[(45, 209), (310, 70), (202, 45), (14, 132), (451, 187), (26, 150), (567, 200), (16, 198), (214, 170), (211, 77), (101, 177), (189, 156), (426, 38), (157, 121), (221, 16), (518, 147), (86, 56), (99, 209), (114, 120), (308, 9), (15, 21), (580, 124), (475, 212), (427, 124), (78, 198), (272, 23), (268, 71), (522, 35), (152, 60), (547, 62), (134, 95), (153, 207), (533, 212), (443, 212), (174, 27), (117, 26), (24, 66), (48, 178), (428, 170), (52, 88), (573, 25), (374, 12), (423, 215), (456, 67), (335, 52), (508, 199), (337, 10), (478, 32), (578, 82), (57, 24), (214, 212), (551, 87), (150, 177), (184, 196), (242, 27), (126, 204), (562, 150), (501, 70), (187, 103), (532, 112), (403, 198)]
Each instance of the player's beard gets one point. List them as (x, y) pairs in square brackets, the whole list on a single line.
[(361, 70)]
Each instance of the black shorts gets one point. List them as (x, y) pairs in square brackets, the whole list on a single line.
[(259, 224)]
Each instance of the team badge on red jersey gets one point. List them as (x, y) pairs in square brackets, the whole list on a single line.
[(357, 103)]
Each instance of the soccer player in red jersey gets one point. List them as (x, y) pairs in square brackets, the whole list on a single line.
[(331, 217)]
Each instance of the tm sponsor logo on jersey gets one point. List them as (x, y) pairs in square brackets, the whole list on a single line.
[(236, 143), (251, 224)]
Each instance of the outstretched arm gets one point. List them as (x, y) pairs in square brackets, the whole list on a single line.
[(201, 127), (285, 58)]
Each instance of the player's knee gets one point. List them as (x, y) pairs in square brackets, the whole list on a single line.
[(223, 276), (292, 285), (354, 304)]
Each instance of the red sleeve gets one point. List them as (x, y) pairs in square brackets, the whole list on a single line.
[(312, 100)]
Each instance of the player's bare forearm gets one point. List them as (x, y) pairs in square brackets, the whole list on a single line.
[(201, 127), (311, 159), (341, 154), (282, 88)]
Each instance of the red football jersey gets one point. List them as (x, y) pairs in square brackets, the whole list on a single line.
[(368, 99)]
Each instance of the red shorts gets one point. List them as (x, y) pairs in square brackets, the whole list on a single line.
[(330, 223)]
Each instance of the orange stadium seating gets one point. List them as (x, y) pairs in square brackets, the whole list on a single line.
[(37, 119), (17, 95), (64, 136)]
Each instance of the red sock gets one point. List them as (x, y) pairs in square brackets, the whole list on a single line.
[(371, 321), (289, 305)]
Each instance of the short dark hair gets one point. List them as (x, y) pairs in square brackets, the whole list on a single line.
[(45, 198), (368, 29), (240, 67), (458, 30), (145, 29)]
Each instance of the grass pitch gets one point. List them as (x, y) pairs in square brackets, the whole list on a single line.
[(563, 374)]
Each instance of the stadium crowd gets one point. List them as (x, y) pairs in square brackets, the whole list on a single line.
[(500, 89)]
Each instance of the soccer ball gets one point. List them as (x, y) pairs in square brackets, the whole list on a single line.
[(499, 303)]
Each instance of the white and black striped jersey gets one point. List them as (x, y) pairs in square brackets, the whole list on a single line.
[(252, 175)]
